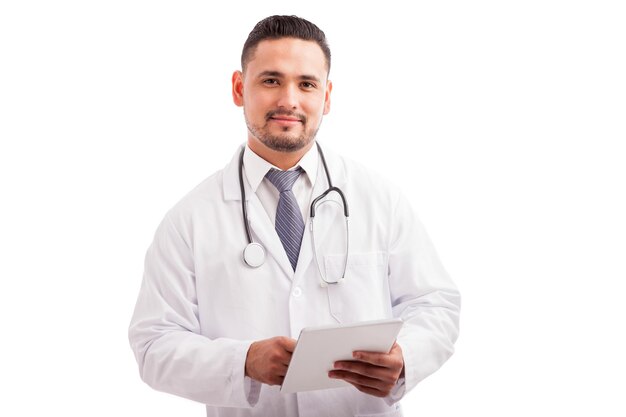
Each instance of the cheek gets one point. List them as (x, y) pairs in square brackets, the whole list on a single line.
[(253, 108), (255, 100), (314, 108)]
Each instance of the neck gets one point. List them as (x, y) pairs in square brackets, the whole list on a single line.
[(282, 160)]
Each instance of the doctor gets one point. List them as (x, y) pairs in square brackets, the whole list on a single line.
[(237, 269)]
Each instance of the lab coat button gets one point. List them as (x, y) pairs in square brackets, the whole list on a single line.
[(297, 292)]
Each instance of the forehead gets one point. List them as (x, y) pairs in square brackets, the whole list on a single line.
[(288, 55)]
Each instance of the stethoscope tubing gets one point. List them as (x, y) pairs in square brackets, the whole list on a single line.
[(254, 253), (244, 206)]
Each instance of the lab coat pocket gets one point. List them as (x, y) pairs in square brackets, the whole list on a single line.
[(364, 292)]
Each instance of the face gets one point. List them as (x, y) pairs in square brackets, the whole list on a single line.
[(284, 92)]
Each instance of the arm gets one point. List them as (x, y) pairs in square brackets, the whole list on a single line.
[(425, 298), (423, 295), (165, 334)]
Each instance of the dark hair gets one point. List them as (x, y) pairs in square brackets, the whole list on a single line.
[(277, 27)]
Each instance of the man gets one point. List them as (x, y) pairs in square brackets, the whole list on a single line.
[(218, 329)]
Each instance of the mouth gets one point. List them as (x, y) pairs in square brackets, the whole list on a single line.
[(285, 119)]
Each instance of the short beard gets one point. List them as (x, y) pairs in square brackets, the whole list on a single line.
[(281, 143)]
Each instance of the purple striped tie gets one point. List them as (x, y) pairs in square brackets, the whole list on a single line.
[(289, 224)]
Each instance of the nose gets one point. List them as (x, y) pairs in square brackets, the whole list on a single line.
[(288, 97)]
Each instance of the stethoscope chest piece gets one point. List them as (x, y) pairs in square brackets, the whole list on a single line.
[(254, 255)]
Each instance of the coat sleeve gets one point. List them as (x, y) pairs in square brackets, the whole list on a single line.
[(164, 333), (423, 295)]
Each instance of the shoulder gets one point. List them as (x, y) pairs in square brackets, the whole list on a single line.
[(197, 202), (360, 179)]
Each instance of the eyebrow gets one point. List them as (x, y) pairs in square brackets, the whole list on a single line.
[(279, 74)]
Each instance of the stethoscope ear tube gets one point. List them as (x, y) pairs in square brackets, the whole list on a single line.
[(346, 213)]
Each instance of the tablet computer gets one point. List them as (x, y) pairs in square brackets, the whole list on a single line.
[(318, 348)]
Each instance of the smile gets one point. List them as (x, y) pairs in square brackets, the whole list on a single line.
[(282, 120), (285, 118)]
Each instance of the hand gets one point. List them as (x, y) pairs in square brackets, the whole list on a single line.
[(267, 360), (372, 373)]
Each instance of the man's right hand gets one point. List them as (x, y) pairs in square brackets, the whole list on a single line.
[(267, 360)]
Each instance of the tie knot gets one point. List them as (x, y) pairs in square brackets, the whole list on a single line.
[(283, 180)]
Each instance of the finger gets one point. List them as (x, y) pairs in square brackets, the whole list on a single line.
[(275, 374), (290, 345), (373, 358), (358, 379), (279, 354), (395, 350), (366, 369), (371, 391), (276, 380), (393, 359), (281, 372), (285, 359), (287, 343)]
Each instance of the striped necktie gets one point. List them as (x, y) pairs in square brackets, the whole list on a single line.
[(289, 224)]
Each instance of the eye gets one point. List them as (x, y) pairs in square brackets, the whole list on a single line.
[(270, 81), (307, 85)]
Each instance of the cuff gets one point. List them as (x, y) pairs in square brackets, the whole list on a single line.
[(396, 393), (245, 391), (252, 389)]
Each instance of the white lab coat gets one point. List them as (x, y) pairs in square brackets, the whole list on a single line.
[(200, 306)]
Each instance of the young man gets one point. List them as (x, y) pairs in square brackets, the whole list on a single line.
[(235, 272)]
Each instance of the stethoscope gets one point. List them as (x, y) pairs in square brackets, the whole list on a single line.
[(254, 253)]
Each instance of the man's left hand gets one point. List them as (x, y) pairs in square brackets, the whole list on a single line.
[(370, 372)]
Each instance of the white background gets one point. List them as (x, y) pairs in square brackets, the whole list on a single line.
[(504, 122)]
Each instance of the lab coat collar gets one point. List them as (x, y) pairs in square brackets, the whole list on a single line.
[(256, 167), (230, 178), (311, 163)]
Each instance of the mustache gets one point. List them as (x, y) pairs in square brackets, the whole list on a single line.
[(279, 112)]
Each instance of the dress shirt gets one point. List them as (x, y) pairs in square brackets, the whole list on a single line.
[(255, 169)]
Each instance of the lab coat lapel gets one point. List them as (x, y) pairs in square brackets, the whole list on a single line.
[(265, 232), (261, 226), (323, 233)]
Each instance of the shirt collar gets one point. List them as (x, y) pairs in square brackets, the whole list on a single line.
[(257, 167)]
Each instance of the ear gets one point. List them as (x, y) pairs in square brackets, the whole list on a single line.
[(329, 89), (237, 82)]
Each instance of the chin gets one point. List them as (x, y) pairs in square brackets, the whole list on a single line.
[(283, 144)]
